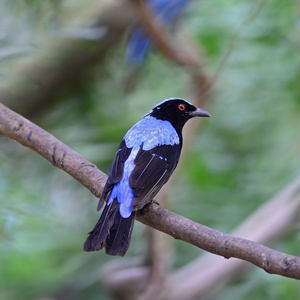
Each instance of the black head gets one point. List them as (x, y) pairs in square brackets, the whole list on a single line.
[(177, 111)]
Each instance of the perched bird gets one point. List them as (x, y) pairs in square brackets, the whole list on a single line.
[(144, 162)]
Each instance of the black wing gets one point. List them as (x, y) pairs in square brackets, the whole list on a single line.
[(153, 169), (115, 172)]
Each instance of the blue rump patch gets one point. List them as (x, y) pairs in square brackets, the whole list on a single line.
[(122, 190)]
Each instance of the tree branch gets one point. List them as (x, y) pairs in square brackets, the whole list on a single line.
[(30, 135), (60, 155), (219, 243), (270, 221)]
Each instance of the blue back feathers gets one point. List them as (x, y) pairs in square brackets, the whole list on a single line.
[(122, 190), (151, 132)]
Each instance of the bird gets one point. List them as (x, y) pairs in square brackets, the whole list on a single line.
[(144, 162), (168, 12)]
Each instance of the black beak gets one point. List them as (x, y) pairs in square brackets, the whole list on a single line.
[(200, 113)]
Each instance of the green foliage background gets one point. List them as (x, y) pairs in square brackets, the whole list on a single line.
[(243, 156)]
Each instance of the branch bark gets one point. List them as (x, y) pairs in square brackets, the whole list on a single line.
[(30, 135), (219, 243), (266, 224)]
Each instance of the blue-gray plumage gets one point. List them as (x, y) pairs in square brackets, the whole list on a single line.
[(144, 162)]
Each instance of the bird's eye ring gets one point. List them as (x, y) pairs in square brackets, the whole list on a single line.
[(181, 107)]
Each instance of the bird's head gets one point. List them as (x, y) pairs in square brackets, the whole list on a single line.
[(177, 111)]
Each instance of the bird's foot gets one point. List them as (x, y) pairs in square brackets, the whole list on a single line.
[(154, 202)]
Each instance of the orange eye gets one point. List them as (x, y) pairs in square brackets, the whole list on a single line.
[(181, 107)]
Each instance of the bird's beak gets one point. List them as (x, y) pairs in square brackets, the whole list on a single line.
[(200, 113)]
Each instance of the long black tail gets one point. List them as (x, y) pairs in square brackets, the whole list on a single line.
[(112, 231)]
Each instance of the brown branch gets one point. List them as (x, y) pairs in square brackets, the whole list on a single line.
[(61, 156), (154, 31), (270, 221), (185, 53), (157, 32), (30, 135), (219, 243)]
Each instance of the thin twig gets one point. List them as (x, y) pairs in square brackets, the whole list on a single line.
[(255, 9), (156, 31)]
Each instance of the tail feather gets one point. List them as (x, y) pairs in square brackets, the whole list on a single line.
[(112, 231), (120, 235)]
